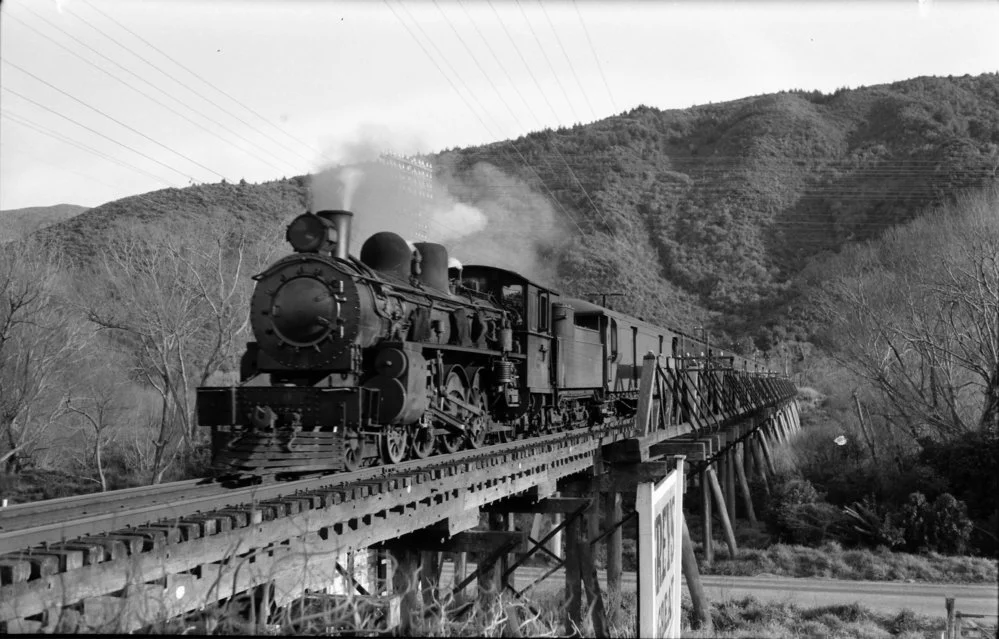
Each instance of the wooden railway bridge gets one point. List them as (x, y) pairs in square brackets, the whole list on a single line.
[(128, 560)]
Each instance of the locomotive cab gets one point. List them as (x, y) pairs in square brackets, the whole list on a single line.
[(529, 307)]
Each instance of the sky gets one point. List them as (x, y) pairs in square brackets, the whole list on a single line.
[(101, 99)]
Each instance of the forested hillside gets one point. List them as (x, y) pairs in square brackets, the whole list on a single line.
[(699, 215), (17, 223), (728, 202)]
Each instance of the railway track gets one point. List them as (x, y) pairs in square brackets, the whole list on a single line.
[(176, 557), (39, 524)]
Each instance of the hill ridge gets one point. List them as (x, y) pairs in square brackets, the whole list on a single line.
[(705, 214)]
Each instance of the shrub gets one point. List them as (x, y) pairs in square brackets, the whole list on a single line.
[(812, 524), (951, 528), (969, 464), (941, 526), (868, 523), (784, 513), (809, 399)]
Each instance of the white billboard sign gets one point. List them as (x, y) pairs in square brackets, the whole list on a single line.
[(660, 531)]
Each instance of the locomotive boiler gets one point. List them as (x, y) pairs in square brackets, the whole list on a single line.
[(392, 355)]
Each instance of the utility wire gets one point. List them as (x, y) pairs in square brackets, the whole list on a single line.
[(467, 103), (140, 91), (62, 167), (554, 113), (23, 121), (526, 65), (499, 94), (593, 50), (547, 60), (213, 86), (572, 67), (115, 120), (538, 122), (42, 106)]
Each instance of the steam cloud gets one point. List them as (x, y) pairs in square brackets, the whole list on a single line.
[(482, 215), (457, 221), (522, 233)]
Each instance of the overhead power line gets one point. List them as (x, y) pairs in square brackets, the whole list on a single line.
[(551, 67), (596, 58), (544, 95), (502, 98), (554, 113), (467, 103), (113, 119), (212, 86), (95, 132), (140, 91), (568, 60), (61, 167), (23, 121)]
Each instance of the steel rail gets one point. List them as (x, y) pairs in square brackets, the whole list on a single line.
[(52, 510)]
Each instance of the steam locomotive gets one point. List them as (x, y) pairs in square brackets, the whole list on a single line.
[(394, 356)]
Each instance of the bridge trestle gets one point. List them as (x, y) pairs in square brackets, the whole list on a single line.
[(292, 548)]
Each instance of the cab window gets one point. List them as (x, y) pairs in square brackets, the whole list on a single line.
[(475, 283), (591, 322), (513, 300), (513, 295), (542, 312), (613, 340)]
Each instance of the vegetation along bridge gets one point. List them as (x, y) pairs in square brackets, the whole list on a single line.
[(134, 559)]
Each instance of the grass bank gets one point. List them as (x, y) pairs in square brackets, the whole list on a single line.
[(750, 617), (758, 555), (833, 561)]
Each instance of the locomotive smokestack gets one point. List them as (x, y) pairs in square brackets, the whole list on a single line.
[(341, 222)]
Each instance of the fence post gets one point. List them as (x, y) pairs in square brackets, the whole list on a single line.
[(951, 619)]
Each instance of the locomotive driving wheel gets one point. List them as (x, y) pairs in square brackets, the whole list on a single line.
[(353, 449), (394, 443), (421, 438), (478, 425), (454, 388)]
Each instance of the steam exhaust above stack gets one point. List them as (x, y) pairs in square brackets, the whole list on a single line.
[(340, 221)]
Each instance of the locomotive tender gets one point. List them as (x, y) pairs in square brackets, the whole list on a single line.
[(393, 355)]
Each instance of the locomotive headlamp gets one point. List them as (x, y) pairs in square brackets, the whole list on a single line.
[(308, 233)]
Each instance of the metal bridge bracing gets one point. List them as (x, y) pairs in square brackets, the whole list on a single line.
[(128, 559)]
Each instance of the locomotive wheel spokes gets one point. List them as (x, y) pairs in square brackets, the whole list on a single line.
[(421, 441), (395, 440), (353, 449), (451, 443), (454, 387), (478, 426)]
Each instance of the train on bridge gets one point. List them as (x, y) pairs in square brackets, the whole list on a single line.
[(400, 354)]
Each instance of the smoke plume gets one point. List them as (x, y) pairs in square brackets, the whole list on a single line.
[(522, 233), (482, 215)]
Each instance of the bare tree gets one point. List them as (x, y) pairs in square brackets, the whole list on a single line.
[(177, 303), (917, 315), (39, 340), (97, 402)]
